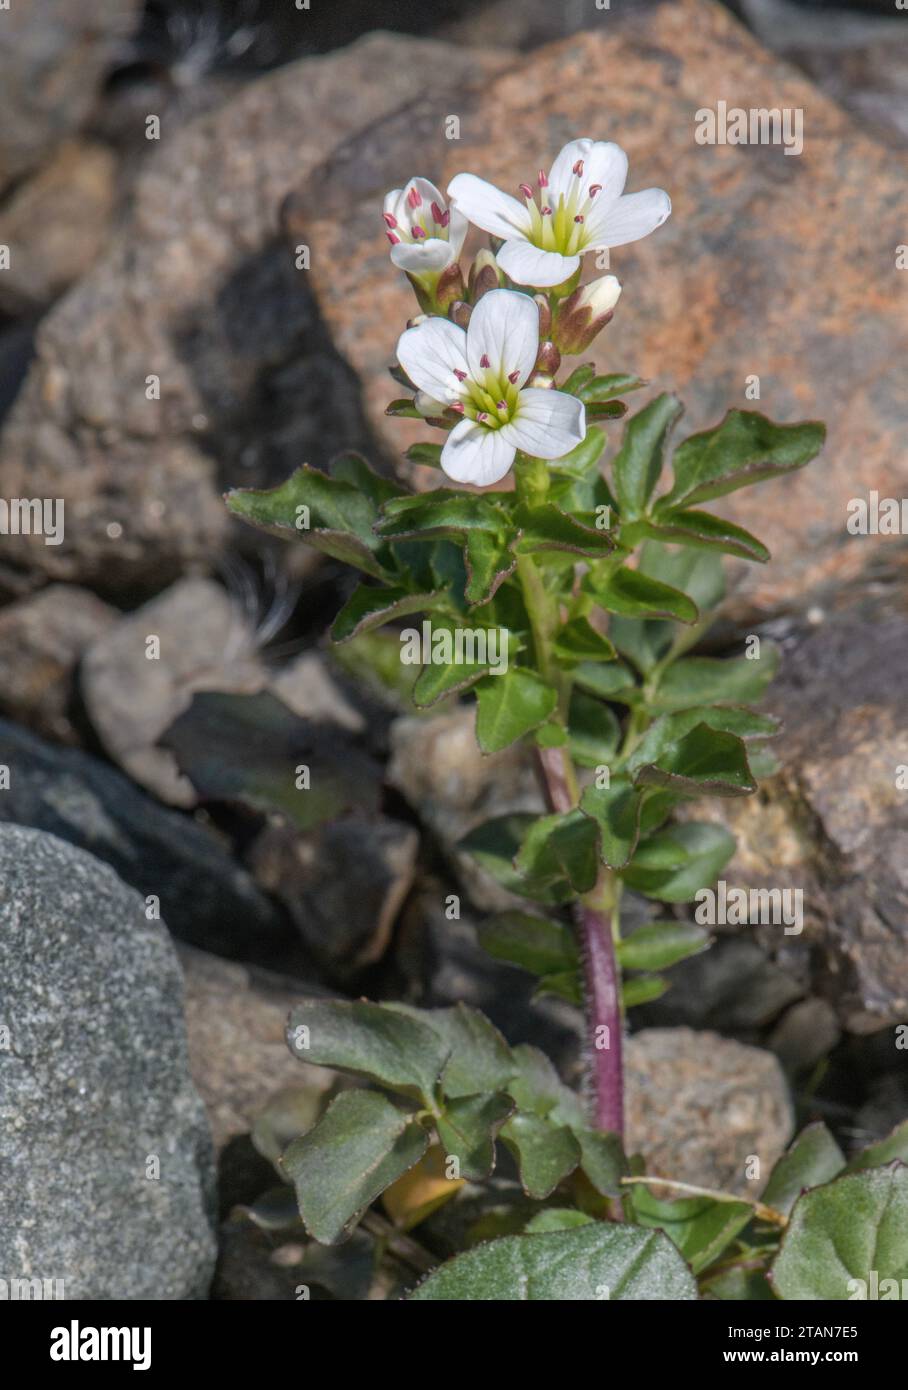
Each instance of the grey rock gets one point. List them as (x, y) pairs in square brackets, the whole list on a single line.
[(42, 639), (200, 291), (735, 986), (95, 1085), (804, 1036), (53, 57), (699, 1106), (204, 642), (307, 686), (206, 898)]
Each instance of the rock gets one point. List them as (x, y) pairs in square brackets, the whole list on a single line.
[(53, 58), (436, 764), (134, 690), (236, 1020), (711, 299), (734, 986), (343, 884), (42, 639), (56, 224), (260, 1264), (206, 898), (699, 1106), (834, 822), (109, 1178), (307, 687), (198, 296)]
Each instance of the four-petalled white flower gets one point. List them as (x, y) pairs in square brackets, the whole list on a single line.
[(480, 373), (579, 206), (426, 235)]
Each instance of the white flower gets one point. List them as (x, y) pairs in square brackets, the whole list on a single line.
[(480, 373), (426, 235), (581, 207)]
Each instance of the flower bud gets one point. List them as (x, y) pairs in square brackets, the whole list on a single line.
[(545, 316), (484, 275), (541, 379), (548, 359), (581, 316), (459, 313), (450, 286)]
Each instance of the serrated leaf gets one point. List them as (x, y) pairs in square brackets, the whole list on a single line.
[(613, 681), (577, 640), (479, 1057), (616, 811), (705, 761), (706, 680), (702, 530), (746, 723), (403, 409), (533, 943), (468, 1129), (369, 607), (594, 731), (853, 1228), (561, 846), (441, 677), (427, 455), (606, 388), (602, 1159), (745, 448), (895, 1145), (657, 945), (547, 527), (358, 1148), (374, 1041), (494, 845), (538, 1089), (592, 1262), (813, 1158), (425, 515), (638, 464), (632, 594), (544, 1152), (700, 1227), (352, 468), (488, 563), (674, 864), (511, 705)]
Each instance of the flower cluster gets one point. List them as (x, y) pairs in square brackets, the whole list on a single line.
[(483, 355)]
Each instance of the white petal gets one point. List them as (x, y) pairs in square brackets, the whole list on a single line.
[(562, 170), (474, 454), (527, 265), (429, 406), (418, 256), (632, 217), (548, 423), (457, 232), (429, 354), (504, 327), (487, 207), (393, 202), (428, 193), (604, 163)]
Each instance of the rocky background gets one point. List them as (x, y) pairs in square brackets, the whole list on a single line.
[(147, 874)]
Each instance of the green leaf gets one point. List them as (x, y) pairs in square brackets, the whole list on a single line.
[(594, 1262), (578, 378), (494, 845), (632, 594), (602, 1159), (668, 729), (373, 1041), (605, 410), (566, 984), (745, 448), (352, 468), (895, 1145), (468, 1128), (738, 1285), (657, 945), (511, 705), (562, 846), (545, 1153), (706, 680), (674, 864), (368, 608), (583, 460), (547, 527), (638, 464), (359, 1147), (445, 512), (440, 677), (614, 681), (616, 811), (702, 530), (488, 563), (703, 762), (594, 731), (533, 943), (853, 1228), (642, 989), (700, 1227), (606, 388), (578, 640), (813, 1159), (428, 455), (556, 1219), (538, 1089), (480, 1059), (403, 408)]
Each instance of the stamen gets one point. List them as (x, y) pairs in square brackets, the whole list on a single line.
[(445, 218), (546, 211), (394, 240), (457, 407), (390, 219), (483, 417), (501, 405), (416, 231), (484, 360), (578, 168), (437, 215), (543, 179), (461, 376), (414, 199), (579, 217), (594, 188), (525, 189), (512, 377)]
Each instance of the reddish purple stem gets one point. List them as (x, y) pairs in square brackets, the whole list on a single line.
[(603, 991)]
